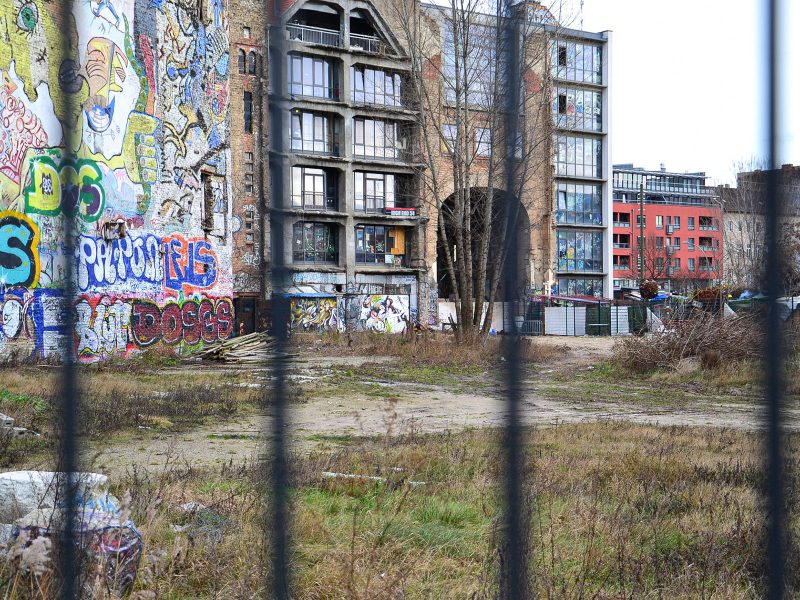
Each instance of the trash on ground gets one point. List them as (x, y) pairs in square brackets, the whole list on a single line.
[(108, 542)]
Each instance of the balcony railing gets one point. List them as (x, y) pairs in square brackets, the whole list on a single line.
[(314, 201), (367, 43), (382, 153), (622, 224), (706, 268), (622, 245), (377, 204), (708, 227), (314, 35), (324, 148), (706, 248), (622, 267)]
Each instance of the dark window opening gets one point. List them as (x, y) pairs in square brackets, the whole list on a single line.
[(562, 104), (251, 63), (248, 112), (241, 61), (562, 56)]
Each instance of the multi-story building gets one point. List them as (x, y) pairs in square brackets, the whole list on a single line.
[(581, 72), (250, 176), (682, 222), (351, 209), (744, 227)]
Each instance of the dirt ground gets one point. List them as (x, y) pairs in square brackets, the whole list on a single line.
[(328, 412)]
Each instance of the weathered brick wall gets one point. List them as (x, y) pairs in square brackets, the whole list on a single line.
[(248, 148), (148, 176)]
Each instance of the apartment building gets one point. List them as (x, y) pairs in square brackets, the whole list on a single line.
[(682, 247), (581, 72), (351, 209)]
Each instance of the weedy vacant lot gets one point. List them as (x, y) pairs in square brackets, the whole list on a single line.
[(615, 511)]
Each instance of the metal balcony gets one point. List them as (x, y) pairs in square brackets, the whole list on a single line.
[(367, 43), (314, 35)]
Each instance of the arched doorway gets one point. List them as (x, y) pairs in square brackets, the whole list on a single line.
[(500, 209)]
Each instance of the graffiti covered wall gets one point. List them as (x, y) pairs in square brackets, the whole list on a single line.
[(140, 100), (380, 313)]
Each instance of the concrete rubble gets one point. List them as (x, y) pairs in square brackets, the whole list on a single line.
[(31, 507)]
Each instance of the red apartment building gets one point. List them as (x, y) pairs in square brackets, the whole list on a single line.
[(682, 246)]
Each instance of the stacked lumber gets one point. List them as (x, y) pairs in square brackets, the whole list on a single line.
[(251, 348)]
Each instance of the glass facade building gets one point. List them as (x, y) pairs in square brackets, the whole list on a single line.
[(581, 165)]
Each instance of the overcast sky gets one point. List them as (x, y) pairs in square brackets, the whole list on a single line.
[(688, 79)]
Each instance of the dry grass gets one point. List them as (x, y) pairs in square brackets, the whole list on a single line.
[(615, 511), (430, 348)]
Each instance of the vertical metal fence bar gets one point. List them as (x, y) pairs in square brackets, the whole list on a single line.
[(776, 523), (514, 584), (277, 400), (66, 412)]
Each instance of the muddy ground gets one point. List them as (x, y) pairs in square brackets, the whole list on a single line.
[(336, 398)]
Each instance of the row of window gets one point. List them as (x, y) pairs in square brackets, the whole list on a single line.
[(578, 156), (623, 263), (578, 204), (319, 133), (580, 250), (374, 244), (316, 189), (580, 286), (660, 183), (706, 244), (318, 77), (576, 61), (577, 109), (247, 62), (704, 223)]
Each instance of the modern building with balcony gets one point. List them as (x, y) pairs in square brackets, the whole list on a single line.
[(351, 209), (682, 247)]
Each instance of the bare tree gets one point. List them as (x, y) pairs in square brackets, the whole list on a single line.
[(457, 80)]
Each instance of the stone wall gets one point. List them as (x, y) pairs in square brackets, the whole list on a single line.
[(140, 95)]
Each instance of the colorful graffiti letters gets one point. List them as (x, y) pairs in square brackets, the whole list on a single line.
[(19, 250), (189, 264), (131, 260), (314, 314), (190, 322), (103, 329), (73, 189)]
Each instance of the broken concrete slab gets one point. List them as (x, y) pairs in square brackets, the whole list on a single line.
[(24, 491)]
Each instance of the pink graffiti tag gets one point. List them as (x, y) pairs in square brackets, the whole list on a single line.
[(20, 130)]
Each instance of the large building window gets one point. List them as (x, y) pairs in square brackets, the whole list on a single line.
[(313, 189), (577, 62), (374, 86), (580, 286), (314, 242), (374, 191), (312, 132), (580, 250), (578, 109), (483, 141), (579, 204), (376, 138), (579, 157), (476, 63), (312, 76), (378, 244)]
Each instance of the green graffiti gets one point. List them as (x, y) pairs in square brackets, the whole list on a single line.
[(74, 188)]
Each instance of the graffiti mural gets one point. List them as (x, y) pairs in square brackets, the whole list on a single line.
[(139, 98), (316, 315), (382, 313)]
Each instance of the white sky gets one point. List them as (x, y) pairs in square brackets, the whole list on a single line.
[(688, 81)]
